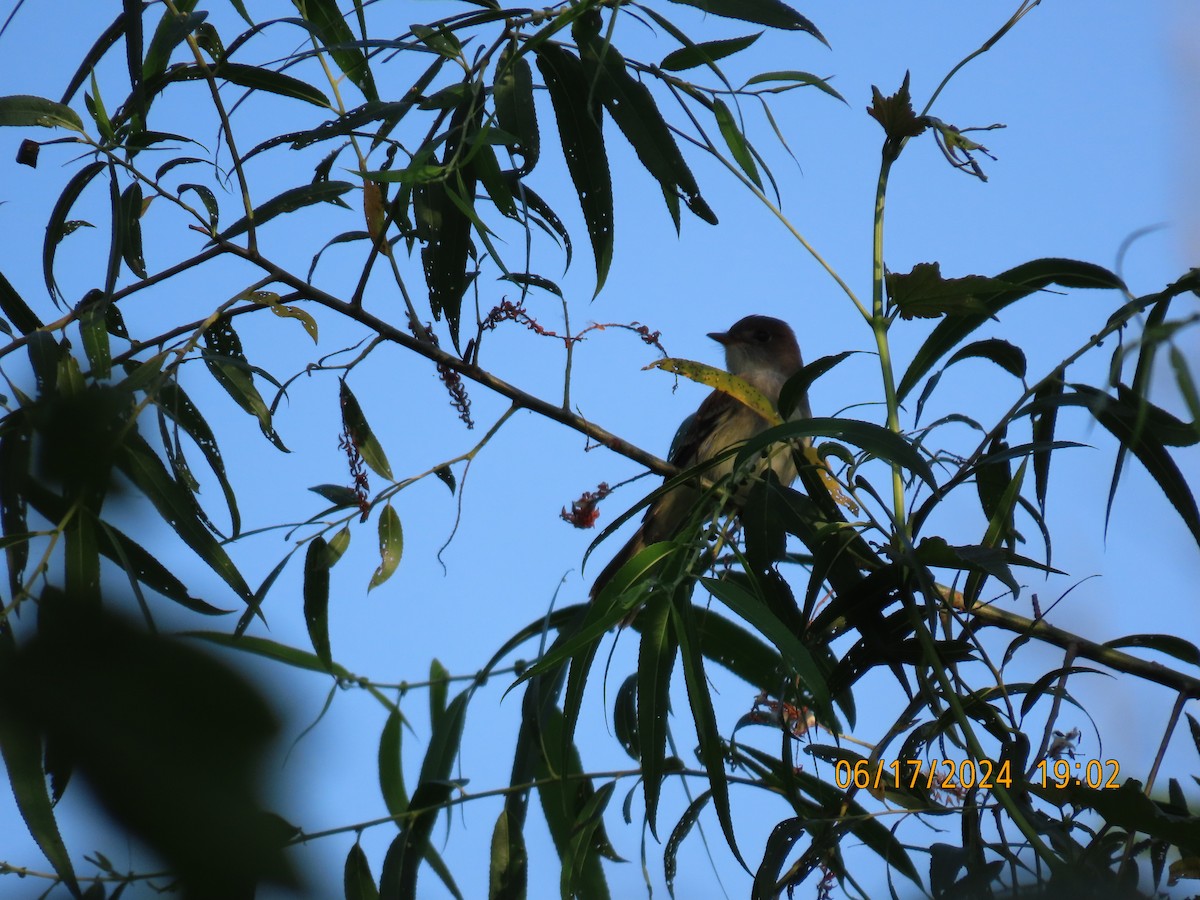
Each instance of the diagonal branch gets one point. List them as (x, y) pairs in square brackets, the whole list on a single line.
[(477, 374)]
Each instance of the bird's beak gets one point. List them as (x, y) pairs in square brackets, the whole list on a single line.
[(721, 337)]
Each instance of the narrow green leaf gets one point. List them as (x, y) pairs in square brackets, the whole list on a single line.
[(405, 855), (14, 500), (508, 868), (772, 13), (582, 852), (176, 505), (1004, 289), (446, 476), (82, 559), (578, 113), (361, 434), (486, 168), (711, 746), (539, 213), (208, 198), (924, 294), (357, 880), (16, 309), (93, 56), (1007, 356), (174, 402), (632, 107), (22, 110), (1170, 644), (316, 599), (799, 78), (1042, 423), (564, 792), (875, 439), (579, 670), (95, 106), (175, 163), (796, 656), (624, 718), (56, 225), (439, 686), (173, 28), (272, 650), (387, 114), (255, 606), (129, 227), (1179, 365), (443, 213), (656, 661), (240, 6), (391, 771), (93, 330), (255, 78), (134, 54), (705, 53), (525, 279), (779, 846), (512, 92), (681, 830), (340, 42), (1122, 420), (338, 544), (999, 528), (142, 566), (993, 475), (612, 605), (290, 201), (440, 40), (21, 748), (398, 880), (794, 394), (228, 365), (736, 141), (443, 871), (738, 650), (445, 741), (341, 497), (391, 546)]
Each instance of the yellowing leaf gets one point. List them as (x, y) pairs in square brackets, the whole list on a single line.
[(373, 212), (831, 484), (720, 380), (271, 299)]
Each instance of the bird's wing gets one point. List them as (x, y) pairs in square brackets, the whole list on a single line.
[(697, 428)]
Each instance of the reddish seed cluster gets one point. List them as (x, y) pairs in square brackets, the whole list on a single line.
[(650, 337), (451, 379), (508, 311), (362, 489), (584, 511), (825, 887), (458, 394), (642, 331)]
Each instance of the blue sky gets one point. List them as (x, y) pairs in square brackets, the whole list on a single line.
[(1099, 101)]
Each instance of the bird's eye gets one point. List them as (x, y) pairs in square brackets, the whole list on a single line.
[(762, 336)]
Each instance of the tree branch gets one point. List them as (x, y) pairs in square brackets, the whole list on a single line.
[(477, 374)]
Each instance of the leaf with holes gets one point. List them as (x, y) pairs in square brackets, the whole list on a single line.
[(391, 546)]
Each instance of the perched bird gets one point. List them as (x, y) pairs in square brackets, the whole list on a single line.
[(761, 351)]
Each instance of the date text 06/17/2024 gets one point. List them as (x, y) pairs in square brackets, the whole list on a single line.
[(949, 774)]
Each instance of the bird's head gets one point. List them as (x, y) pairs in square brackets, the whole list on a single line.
[(759, 342)]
